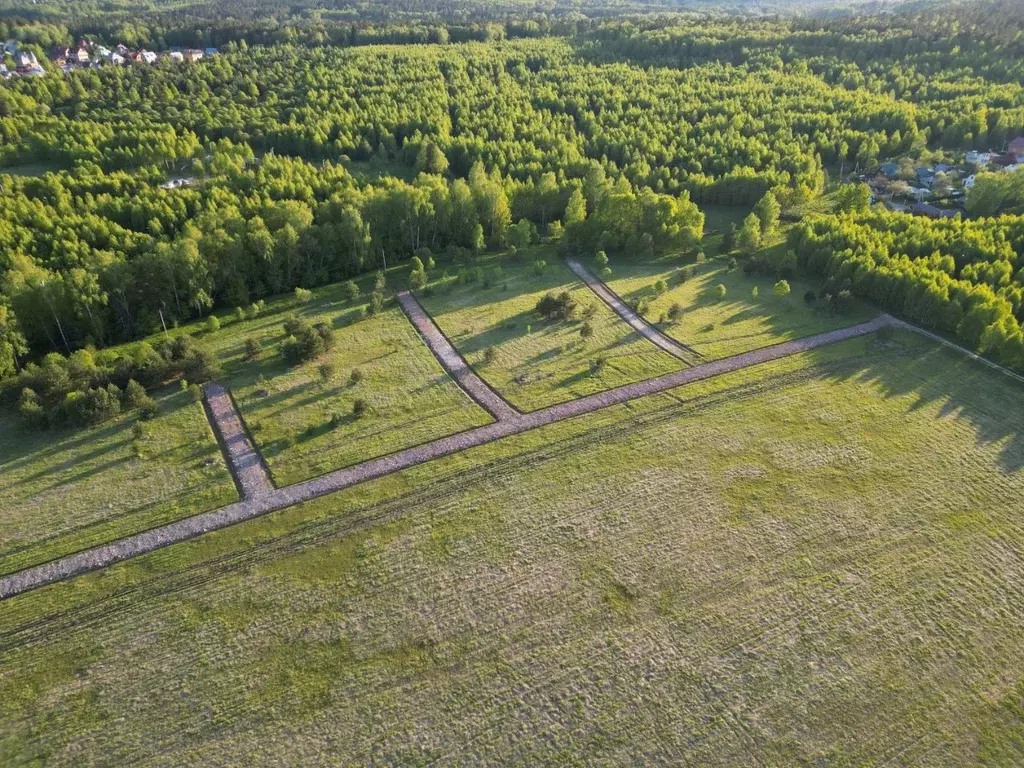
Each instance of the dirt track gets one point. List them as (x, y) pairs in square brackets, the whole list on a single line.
[(271, 500)]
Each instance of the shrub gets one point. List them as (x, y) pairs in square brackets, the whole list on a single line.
[(355, 377), (720, 291), (30, 410), (359, 408), (380, 282), (675, 312), (660, 286), (597, 365), (256, 308), (135, 397), (239, 314), (201, 365), (376, 302), (560, 307), (755, 292), (326, 371), (606, 273), (352, 290), (303, 295), (252, 349), (586, 330), (195, 393), (601, 259), (781, 289), (92, 406), (212, 324), (490, 354), (307, 342), (539, 267)]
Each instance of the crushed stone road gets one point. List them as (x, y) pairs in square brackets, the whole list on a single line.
[(269, 500)]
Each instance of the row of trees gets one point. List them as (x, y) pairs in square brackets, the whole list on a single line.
[(963, 278)]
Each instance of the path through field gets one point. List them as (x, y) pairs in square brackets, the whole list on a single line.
[(246, 465), (272, 500), (641, 326), (453, 362)]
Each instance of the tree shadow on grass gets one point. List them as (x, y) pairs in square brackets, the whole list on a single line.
[(930, 375)]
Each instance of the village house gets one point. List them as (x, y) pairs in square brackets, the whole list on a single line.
[(978, 158), (81, 55), (1016, 147), (11, 47), (924, 209), (148, 56), (192, 54)]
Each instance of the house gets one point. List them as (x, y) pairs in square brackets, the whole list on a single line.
[(134, 57), (192, 54), (116, 58), (81, 55), (210, 52), (60, 54), (1016, 147), (944, 168), (924, 209), (5, 73), (979, 158), (177, 56), (889, 169), (11, 47), (26, 60), (969, 182), (122, 49), (102, 52), (148, 56), (920, 193), (925, 176)]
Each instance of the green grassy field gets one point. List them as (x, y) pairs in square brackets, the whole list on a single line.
[(812, 562), (735, 324), (63, 491), (538, 363), (289, 408)]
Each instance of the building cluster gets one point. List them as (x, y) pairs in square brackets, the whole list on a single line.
[(91, 54), (25, 62), (938, 191)]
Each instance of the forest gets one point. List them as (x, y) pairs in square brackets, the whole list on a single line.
[(310, 160)]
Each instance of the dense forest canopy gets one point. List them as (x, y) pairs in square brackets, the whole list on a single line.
[(514, 133)]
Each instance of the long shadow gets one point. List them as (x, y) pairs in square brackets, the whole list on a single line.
[(929, 375)]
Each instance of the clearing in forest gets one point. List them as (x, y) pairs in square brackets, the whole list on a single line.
[(812, 559), (303, 417), (488, 311)]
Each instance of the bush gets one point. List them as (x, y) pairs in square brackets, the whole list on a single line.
[(135, 397), (376, 302), (212, 324), (239, 314), (675, 312), (606, 273), (781, 289), (597, 365), (31, 411), (755, 292), (352, 290), (586, 330), (92, 406), (720, 291), (355, 377), (201, 365), (252, 349), (303, 295), (359, 408), (306, 342), (326, 371), (539, 267), (660, 286), (560, 307), (601, 259), (490, 354), (195, 393)]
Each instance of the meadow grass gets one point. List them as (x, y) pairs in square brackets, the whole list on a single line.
[(722, 327), (537, 363), (814, 561), (65, 490)]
